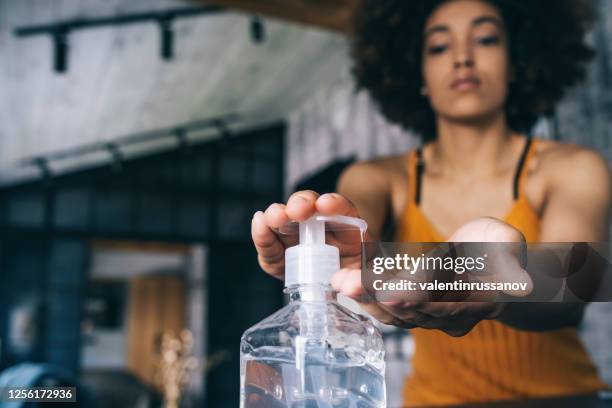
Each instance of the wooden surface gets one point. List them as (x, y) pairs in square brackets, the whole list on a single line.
[(567, 402), (156, 305), (332, 15)]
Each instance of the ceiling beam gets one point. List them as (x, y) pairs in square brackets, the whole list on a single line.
[(334, 15)]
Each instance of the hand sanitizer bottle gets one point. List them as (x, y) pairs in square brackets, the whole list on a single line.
[(313, 353)]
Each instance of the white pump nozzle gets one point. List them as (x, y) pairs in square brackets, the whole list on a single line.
[(312, 261), (312, 232)]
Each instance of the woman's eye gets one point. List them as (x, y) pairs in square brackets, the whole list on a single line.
[(436, 49), (489, 40)]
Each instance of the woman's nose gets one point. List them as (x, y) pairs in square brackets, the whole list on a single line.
[(465, 62), (463, 56)]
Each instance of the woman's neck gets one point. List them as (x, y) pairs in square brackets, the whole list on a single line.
[(464, 150)]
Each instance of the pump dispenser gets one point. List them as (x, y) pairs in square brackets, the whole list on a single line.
[(313, 352)]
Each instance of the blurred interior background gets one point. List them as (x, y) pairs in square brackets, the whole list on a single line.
[(138, 137)]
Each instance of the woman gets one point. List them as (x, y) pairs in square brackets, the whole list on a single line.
[(471, 76)]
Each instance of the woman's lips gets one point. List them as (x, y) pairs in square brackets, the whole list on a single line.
[(465, 84)]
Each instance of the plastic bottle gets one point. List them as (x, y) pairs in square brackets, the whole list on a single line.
[(314, 352)]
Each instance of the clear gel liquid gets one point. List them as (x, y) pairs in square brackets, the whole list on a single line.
[(326, 378)]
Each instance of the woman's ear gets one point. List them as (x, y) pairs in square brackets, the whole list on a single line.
[(423, 88)]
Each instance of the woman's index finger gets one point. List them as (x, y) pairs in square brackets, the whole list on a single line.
[(336, 204)]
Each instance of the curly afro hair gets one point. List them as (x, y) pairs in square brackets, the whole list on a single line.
[(546, 49)]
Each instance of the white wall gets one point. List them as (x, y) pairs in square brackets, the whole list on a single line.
[(117, 84)]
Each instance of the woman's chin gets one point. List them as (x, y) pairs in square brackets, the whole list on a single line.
[(472, 115)]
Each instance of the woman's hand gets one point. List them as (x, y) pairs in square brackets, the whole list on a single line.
[(301, 205), (454, 318)]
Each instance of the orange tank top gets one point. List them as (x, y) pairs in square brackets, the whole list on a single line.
[(493, 361)]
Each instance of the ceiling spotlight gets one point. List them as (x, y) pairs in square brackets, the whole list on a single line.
[(181, 137), (258, 30), (221, 126), (43, 165), (60, 50), (116, 156), (166, 38)]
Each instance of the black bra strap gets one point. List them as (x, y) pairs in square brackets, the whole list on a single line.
[(519, 168), (420, 167)]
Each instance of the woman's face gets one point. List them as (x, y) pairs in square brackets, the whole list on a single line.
[(465, 60)]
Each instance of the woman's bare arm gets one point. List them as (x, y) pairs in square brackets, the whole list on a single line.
[(577, 209), (367, 185), (578, 199)]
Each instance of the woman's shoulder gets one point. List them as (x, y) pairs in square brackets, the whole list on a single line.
[(386, 167), (556, 155), (567, 163), (383, 180), (375, 186), (382, 174)]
